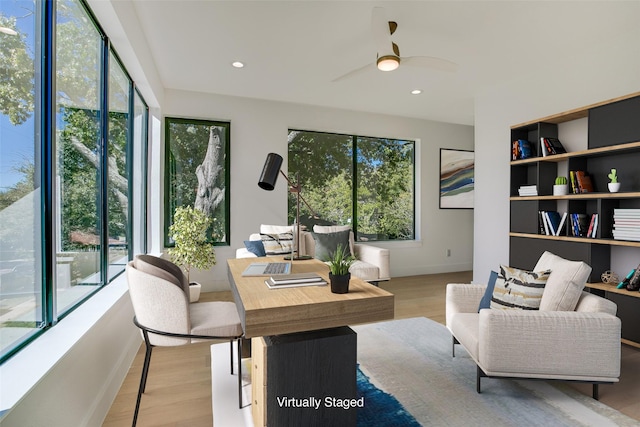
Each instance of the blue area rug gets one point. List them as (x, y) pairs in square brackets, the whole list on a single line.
[(380, 408), (408, 370)]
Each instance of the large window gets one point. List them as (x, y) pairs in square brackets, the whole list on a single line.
[(364, 182), (71, 127)]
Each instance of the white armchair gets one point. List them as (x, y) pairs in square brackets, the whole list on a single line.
[(372, 263), (582, 344)]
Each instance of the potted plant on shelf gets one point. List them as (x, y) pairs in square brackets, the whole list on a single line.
[(560, 188), (614, 185), (339, 262), (191, 250)]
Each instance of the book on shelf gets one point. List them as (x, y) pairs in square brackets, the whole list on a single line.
[(580, 224), (593, 226), (528, 190), (521, 149), (551, 222), (551, 146), (580, 182), (626, 224)]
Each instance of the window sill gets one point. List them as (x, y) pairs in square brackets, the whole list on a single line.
[(24, 371)]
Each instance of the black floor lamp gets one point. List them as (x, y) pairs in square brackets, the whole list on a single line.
[(267, 181)]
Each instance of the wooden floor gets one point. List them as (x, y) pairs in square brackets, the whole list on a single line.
[(179, 385)]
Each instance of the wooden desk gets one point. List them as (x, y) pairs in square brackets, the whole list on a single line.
[(264, 311), (301, 345)]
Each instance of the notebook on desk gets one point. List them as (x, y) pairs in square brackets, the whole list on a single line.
[(267, 268)]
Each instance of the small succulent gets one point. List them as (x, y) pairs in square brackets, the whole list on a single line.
[(561, 180), (612, 176)]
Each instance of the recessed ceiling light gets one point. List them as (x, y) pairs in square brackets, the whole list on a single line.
[(237, 64), (416, 92)]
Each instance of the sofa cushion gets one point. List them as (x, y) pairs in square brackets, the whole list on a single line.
[(517, 289), (485, 302), (256, 247), (365, 271), (277, 243), (335, 229), (327, 243), (565, 284), (465, 327)]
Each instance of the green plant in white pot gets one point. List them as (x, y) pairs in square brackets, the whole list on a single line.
[(192, 249), (339, 263), (613, 185)]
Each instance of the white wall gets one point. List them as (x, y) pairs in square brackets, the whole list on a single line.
[(598, 73), (259, 127)]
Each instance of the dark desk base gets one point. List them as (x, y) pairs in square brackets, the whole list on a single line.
[(309, 378)]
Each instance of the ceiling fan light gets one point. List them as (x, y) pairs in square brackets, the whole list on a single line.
[(388, 63)]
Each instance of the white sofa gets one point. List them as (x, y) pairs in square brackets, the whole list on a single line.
[(582, 344), (372, 262)]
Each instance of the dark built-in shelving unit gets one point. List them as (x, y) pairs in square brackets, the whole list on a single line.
[(613, 142)]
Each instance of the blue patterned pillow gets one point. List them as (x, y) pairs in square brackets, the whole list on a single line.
[(485, 302), (255, 247), (518, 289)]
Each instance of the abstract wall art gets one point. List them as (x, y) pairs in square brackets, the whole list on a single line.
[(456, 179)]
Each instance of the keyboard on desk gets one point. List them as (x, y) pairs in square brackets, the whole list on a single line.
[(276, 268)]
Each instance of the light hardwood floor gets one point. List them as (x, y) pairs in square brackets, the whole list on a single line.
[(179, 385)]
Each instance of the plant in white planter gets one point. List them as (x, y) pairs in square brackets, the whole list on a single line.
[(191, 250), (614, 185), (560, 188)]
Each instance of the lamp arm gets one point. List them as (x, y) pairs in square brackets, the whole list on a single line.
[(299, 191)]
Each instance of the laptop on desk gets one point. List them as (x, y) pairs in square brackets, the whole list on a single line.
[(267, 268)]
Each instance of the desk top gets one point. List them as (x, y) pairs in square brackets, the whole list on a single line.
[(264, 311)]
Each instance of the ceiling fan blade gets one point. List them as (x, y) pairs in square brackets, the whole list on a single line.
[(430, 62), (381, 31), (354, 72)]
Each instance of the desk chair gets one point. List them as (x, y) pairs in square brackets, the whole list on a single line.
[(160, 296)]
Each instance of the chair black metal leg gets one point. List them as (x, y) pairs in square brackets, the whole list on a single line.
[(231, 354), (479, 374), (595, 393), (453, 346), (143, 377)]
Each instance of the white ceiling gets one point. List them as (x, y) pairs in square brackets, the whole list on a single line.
[(294, 49)]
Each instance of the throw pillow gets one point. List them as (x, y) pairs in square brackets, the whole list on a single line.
[(256, 247), (334, 229), (565, 284), (277, 244), (485, 302), (327, 243), (518, 289)]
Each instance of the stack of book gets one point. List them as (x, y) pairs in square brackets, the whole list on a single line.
[(521, 149), (528, 190), (294, 280), (626, 224)]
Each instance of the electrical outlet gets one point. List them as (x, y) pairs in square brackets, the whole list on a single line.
[(448, 252)]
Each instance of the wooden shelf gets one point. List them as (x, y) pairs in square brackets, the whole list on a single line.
[(594, 152), (610, 242), (576, 113), (612, 287), (582, 196)]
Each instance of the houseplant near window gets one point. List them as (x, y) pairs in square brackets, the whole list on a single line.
[(339, 262), (191, 250)]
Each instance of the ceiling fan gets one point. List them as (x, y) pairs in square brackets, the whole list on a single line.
[(388, 57)]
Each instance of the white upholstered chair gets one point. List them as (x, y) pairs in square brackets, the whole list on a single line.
[(574, 336), (160, 296)]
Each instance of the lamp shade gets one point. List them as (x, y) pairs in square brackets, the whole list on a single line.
[(270, 171)]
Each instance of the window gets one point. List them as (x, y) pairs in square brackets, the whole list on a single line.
[(197, 172), (364, 182), (65, 162)]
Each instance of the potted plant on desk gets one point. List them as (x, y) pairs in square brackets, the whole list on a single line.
[(189, 232), (339, 262)]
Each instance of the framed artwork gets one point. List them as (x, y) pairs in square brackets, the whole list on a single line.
[(456, 179), (197, 173)]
